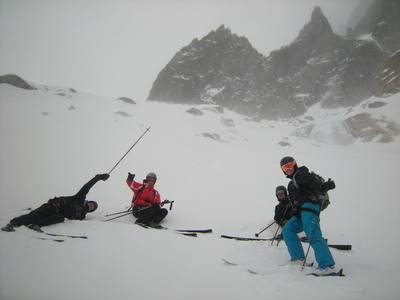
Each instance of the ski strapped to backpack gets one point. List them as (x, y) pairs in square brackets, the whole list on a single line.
[(317, 196)]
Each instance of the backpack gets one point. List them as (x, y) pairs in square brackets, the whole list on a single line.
[(321, 197)]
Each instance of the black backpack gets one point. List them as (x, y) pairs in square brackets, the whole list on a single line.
[(322, 198)]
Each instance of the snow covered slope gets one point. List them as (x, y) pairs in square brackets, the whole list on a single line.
[(219, 168)]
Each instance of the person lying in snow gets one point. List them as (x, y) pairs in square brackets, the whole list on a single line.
[(57, 209), (146, 201)]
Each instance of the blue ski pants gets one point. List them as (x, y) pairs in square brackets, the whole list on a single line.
[(309, 223)]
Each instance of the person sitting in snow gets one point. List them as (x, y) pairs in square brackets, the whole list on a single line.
[(283, 211), (306, 216), (57, 209), (146, 201)]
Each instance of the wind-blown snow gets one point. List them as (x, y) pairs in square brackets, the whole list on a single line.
[(49, 150)]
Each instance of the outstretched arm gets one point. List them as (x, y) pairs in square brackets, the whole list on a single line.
[(86, 188), (133, 185)]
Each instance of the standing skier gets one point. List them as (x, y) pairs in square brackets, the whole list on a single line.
[(147, 201), (57, 209), (306, 217)]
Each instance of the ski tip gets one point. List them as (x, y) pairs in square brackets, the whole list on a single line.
[(341, 247), (229, 262), (194, 234), (142, 225), (53, 240), (339, 273), (195, 230)]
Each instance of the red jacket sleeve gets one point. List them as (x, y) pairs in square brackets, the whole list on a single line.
[(134, 186)]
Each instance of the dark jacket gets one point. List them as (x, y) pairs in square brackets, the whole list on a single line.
[(73, 207), (307, 186), (283, 211)]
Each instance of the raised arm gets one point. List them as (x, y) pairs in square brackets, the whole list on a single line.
[(86, 188)]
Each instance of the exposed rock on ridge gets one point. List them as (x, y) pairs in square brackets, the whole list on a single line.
[(382, 23), (221, 68), (317, 67), (16, 81)]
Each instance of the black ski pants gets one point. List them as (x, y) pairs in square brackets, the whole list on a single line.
[(146, 215), (42, 216)]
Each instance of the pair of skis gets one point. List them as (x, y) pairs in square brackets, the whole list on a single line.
[(61, 237), (304, 240), (238, 238), (251, 271), (186, 232)]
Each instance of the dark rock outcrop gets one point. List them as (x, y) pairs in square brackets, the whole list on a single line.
[(389, 80), (126, 100), (221, 68), (381, 23), (16, 81)]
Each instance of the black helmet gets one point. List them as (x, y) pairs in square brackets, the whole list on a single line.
[(91, 206), (280, 189), (286, 160)]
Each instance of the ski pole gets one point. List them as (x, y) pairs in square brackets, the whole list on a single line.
[(284, 215), (276, 232), (312, 238), (118, 213), (128, 213), (308, 248), (257, 234), (279, 226), (128, 151)]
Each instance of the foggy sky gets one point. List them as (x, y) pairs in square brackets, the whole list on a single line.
[(117, 47)]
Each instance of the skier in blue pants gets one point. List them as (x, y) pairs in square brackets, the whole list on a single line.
[(306, 217), (308, 223)]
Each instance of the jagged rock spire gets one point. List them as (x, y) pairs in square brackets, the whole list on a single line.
[(318, 26)]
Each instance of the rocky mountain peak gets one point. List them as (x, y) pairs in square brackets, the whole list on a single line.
[(319, 66), (204, 70), (222, 31), (317, 27), (224, 35)]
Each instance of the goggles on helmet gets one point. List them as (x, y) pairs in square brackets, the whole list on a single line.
[(280, 192), (289, 165), (281, 195)]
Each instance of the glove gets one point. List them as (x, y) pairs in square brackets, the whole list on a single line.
[(103, 177), (130, 177), (328, 185), (156, 205)]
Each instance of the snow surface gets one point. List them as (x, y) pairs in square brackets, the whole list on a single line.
[(228, 185)]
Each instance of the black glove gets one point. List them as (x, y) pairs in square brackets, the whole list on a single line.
[(328, 185), (130, 177), (156, 205), (103, 177)]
